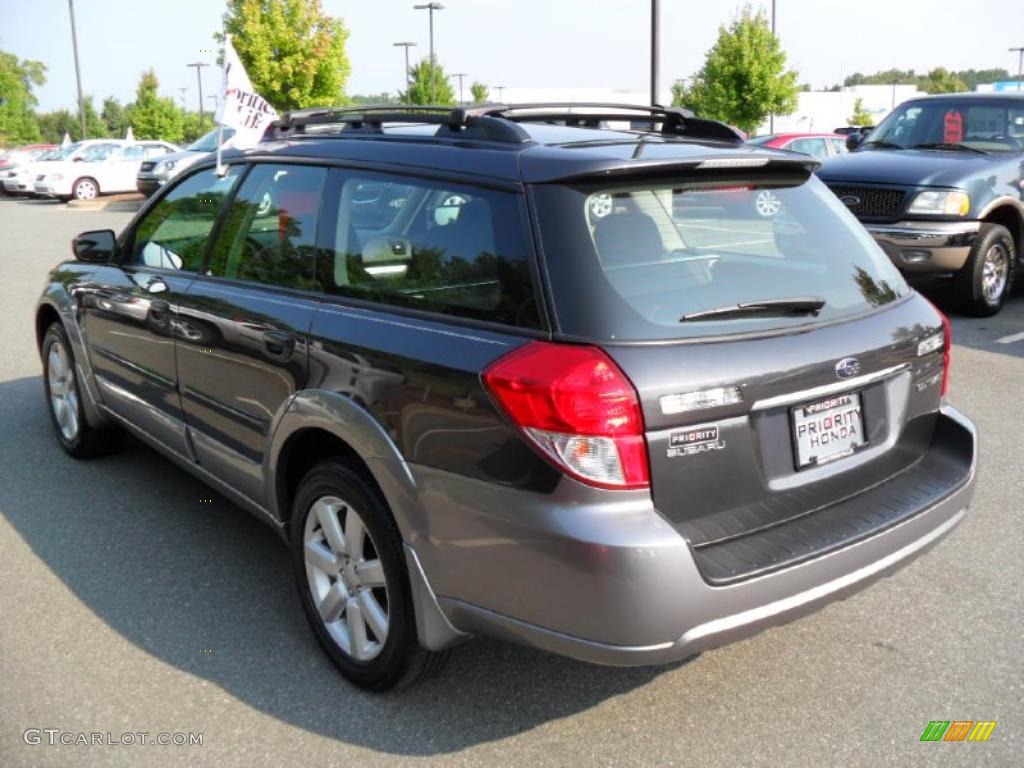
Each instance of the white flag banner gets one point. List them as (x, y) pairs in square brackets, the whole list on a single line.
[(239, 106)]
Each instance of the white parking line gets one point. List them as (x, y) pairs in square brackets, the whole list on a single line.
[(1011, 338)]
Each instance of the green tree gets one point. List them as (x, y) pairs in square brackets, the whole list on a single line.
[(17, 79), (153, 116), (480, 93), (192, 128), (115, 117), (860, 115), (941, 80), (53, 125), (430, 85), (292, 51), (744, 78)]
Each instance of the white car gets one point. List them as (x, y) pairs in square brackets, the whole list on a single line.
[(106, 167), (19, 179)]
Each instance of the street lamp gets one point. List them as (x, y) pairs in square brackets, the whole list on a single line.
[(407, 46), (199, 79), (78, 71), (501, 92), (1020, 65), (460, 75), (430, 8)]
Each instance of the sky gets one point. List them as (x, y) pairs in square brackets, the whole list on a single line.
[(514, 43)]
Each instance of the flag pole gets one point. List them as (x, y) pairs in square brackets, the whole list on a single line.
[(221, 170)]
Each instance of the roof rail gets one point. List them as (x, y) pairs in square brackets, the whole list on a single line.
[(498, 122), (462, 122)]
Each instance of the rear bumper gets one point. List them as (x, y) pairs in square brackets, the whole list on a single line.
[(926, 246), (614, 583)]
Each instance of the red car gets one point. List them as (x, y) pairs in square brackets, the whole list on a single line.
[(821, 145), (13, 157)]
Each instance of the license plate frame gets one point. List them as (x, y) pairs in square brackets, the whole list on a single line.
[(840, 418)]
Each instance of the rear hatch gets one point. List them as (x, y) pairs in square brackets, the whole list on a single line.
[(789, 379)]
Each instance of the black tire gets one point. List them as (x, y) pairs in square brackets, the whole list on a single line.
[(86, 441), (400, 661), (969, 283), (79, 187)]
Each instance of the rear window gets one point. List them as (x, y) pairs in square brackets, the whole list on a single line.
[(638, 262)]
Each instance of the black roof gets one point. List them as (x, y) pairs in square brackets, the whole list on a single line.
[(531, 143)]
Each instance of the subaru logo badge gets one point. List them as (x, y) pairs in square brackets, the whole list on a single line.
[(847, 367), (849, 200)]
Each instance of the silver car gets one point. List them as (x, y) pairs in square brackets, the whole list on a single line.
[(153, 174)]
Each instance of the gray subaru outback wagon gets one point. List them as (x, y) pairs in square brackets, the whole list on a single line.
[(536, 372)]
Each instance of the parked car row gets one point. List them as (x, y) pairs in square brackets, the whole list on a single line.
[(939, 185)]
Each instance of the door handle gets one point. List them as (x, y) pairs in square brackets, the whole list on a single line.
[(279, 344)]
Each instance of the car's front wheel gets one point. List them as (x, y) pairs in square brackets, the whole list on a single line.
[(64, 401), (352, 579), (85, 189), (986, 279)]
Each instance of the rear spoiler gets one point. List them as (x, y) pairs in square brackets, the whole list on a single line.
[(732, 165)]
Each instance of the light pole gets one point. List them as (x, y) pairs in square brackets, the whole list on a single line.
[(460, 75), (407, 46), (501, 93), (78, 71), (199, 79), (655, 13), (771, 115), (430, 8), (1020, 65)]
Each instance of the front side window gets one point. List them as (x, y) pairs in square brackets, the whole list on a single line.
[(434, 246), (174, 233), (674, 261), (269, 233)]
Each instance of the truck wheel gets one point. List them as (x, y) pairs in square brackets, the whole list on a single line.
[(64, 401), (986, 279), (352, 579)]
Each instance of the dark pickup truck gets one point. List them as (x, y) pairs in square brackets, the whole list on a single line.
[(939, 184)]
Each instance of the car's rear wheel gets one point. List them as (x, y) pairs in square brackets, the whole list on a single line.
[(352, 579), (767, 203), (64, 401), (986, 279), (85, 189)]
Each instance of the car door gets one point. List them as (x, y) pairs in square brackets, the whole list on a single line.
[(241, 351), (121, 168), (130, 307)]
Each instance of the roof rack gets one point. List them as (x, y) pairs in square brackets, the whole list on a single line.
[(499, 122)]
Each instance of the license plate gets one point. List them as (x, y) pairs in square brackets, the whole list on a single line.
[(828, 429)]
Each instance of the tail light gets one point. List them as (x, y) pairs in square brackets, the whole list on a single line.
[(575, 405), (948, 336)]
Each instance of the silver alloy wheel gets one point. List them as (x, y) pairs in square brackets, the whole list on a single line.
[(600, 205), (63, 390), (767, 203), (994, 272), (346, 578), (85, 190)]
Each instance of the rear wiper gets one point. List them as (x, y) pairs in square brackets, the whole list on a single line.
[(954, 145), (803, 305)]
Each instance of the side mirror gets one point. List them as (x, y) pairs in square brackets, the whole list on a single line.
[(853, 141), (866, 129), (77, 159), (95, 247)]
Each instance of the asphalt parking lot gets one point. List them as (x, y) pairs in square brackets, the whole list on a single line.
[(134, 599)]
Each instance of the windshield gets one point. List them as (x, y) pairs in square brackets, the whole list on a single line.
[(647, 262), (761, 139), (65, 152), (208, 143), (987, 125)]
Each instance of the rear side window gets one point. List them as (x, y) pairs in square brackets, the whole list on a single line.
[(269, 233), (432, 246), (174, 233), (638, 262)]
